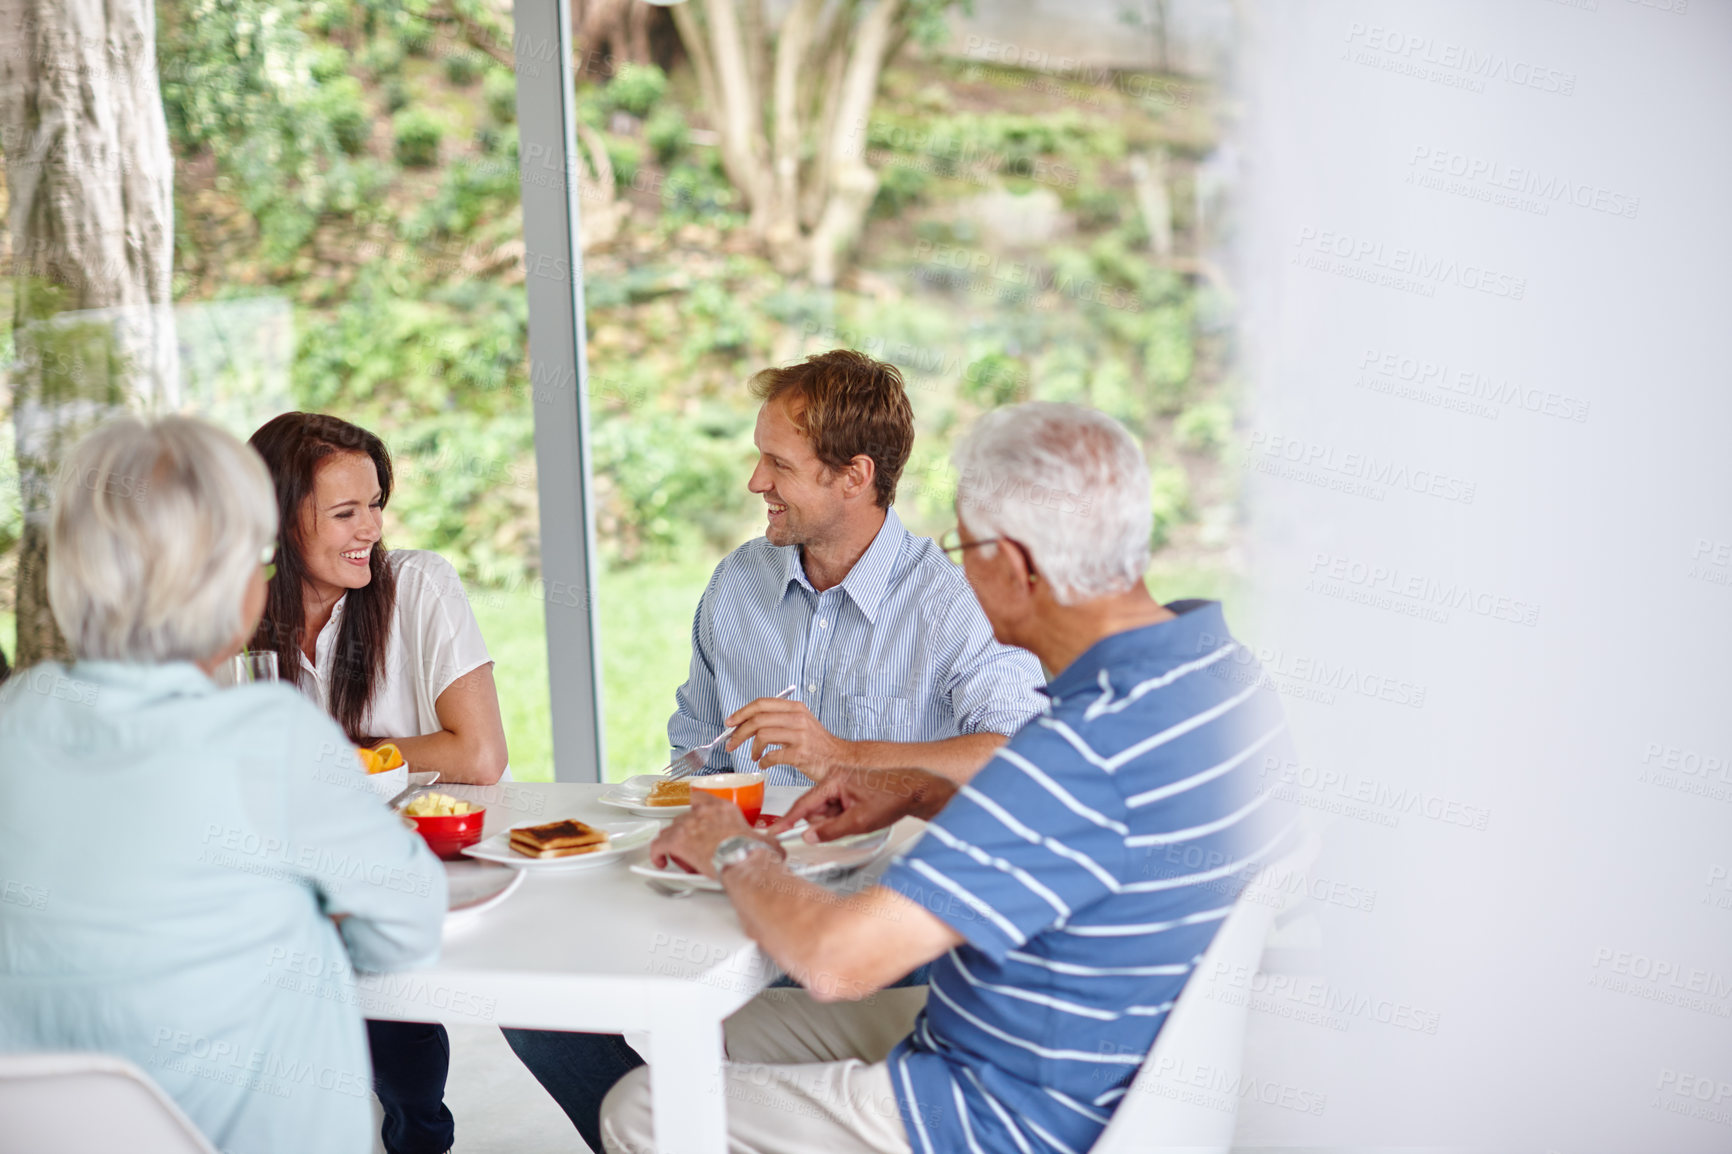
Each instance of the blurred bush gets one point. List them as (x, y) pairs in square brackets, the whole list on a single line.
[(417, 133)]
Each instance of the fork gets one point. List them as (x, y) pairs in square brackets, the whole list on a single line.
[(692, 760)]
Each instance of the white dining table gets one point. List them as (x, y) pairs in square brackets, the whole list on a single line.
[(599, 950)]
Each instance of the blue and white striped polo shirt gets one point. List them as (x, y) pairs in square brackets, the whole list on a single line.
[(899, 651), (1088, 865)]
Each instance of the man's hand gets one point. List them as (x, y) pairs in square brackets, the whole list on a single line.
[(851, 800), (691, 841), (800, 740)]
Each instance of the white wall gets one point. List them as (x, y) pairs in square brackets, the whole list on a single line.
[(1523, 395)]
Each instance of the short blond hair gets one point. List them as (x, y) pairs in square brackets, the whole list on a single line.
[(155, 530)]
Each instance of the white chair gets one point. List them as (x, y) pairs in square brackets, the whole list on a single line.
[(87, 1103), (1184, 1099)]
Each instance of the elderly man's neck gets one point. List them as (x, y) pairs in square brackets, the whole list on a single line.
[(1059, 634), (829, 561)]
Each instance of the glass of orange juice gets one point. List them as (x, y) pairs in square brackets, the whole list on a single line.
[(745, 790)]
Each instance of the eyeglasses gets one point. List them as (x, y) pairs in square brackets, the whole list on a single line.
[(265, 556), (953, 544)]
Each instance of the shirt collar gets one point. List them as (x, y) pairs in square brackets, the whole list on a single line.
[(148, 681), (1197, 629), (869, 579)]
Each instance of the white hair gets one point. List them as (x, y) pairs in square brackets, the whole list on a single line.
[(1067, 483), (156, 530)]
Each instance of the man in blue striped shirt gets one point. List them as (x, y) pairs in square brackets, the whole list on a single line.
[(892, 661), (1066, 891)]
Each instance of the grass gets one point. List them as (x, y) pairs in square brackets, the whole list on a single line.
[(645, 613)]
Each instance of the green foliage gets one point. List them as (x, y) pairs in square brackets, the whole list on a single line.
[(625, 154), (899, 187), (383, 58), (994, 380), (417, 133), (667, 132), (499, 92), (666, 478), (326, 62), (473, 189), (342, 104), (1206, 426), (244, 84), (698, 193), (636, 88), (396, 94), (718, 321), (1170, 498), (463, 68), (416, 36), (1168, 357)]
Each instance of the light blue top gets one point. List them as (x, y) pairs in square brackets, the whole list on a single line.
[(170, 858), (899, 651), (1087, 866)]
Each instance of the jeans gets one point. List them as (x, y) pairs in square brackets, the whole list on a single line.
[(410, 1062), (577, 1070)]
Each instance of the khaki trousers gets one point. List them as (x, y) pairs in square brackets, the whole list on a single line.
[(802, 1077)]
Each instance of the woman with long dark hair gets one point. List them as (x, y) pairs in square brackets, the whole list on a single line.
[(387, 643), (383, 639)]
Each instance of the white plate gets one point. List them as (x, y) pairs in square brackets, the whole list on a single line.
[(629, 795), (622, 838), (812, 862), (475, 886)]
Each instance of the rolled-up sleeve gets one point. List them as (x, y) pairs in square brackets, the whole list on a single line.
[(697, 716), (360, 858), (992, 688)]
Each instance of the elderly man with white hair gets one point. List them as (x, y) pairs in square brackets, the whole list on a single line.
[(190, 877), (1065, 890)]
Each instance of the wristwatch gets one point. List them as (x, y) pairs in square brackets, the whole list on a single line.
[(736, 849)]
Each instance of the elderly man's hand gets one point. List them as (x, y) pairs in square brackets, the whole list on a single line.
[(798, 738), (691, 840), (852, 800)]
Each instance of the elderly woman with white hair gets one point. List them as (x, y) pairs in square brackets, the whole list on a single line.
[(190, 878)]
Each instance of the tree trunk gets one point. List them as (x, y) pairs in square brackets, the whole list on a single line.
[(793, 129), (853, 184), (90, 178)]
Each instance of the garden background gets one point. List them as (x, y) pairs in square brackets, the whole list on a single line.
[(348, 239)]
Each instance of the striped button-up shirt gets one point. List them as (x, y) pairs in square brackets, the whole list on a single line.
[(1088, 866), (899, 651)]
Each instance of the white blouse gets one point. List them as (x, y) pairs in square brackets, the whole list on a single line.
[(434, 640)]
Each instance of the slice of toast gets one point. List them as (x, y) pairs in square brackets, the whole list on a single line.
[(558, 839), (670, 793)]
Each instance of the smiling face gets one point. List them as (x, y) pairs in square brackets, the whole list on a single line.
[(341, 522), (804, 499)]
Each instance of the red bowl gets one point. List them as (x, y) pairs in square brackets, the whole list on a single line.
[(446, 836)]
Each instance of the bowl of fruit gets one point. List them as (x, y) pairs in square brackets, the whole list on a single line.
[(446, 823), (387, 772)]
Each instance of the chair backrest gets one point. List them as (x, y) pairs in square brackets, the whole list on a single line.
[(1185, 1097), (86, 1103)]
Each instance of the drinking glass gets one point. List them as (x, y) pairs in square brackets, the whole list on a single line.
[(246, 668)]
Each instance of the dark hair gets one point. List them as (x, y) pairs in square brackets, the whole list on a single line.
[(847, 405), (294, 445)]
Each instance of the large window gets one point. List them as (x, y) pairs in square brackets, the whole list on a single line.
[(1036, 233), (347, 238), (349, 235)]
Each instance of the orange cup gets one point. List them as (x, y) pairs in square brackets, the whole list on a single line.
[(745, 790)]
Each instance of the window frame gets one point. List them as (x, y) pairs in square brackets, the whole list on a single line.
[(548, 162)]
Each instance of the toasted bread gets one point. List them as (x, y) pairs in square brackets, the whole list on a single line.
[(528, 849), (670, 793), (558, 839)]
